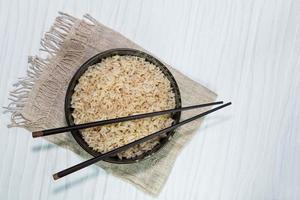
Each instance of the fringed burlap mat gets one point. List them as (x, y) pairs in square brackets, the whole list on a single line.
[(38, 99)]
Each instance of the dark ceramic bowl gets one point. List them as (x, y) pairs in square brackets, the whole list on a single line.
[(97, 59)]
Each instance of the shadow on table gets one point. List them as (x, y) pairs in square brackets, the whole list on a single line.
[(43, 147), (68, 182), (215, 121), (76, 181)]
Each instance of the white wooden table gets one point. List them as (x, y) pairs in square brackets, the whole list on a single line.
[(247, 51)]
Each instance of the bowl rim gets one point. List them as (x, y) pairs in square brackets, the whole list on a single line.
[(97, 59)]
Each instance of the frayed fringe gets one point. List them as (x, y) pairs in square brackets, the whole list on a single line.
[(53, 39), (18, 120), (51, 44), (89, 19)]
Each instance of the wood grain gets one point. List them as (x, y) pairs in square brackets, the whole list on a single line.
[(246, 51)]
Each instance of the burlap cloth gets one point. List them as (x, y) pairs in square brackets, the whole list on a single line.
[(37, 102)]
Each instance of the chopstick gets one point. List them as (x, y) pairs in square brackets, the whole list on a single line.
[(116, 120), (122, 148)]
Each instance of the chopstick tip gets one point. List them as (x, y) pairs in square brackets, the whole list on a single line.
[(55, 176), (227, 104), (37, 134)]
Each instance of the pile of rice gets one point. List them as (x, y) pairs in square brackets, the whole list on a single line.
[(121, 86)]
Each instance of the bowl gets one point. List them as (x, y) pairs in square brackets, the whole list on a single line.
[(97, 59)]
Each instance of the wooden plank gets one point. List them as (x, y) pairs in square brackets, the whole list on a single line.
[(246, 51)]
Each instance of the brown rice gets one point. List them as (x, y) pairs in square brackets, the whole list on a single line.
[(122, 86)]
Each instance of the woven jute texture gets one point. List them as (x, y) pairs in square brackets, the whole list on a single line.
[(37, 101)]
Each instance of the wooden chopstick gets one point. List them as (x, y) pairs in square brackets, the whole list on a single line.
[(117, 120), (122, 148)]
